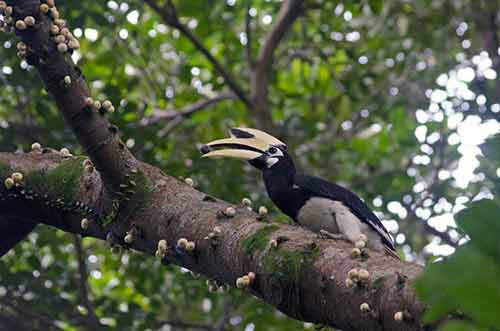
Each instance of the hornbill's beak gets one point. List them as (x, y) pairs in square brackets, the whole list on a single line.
[(244, 143)]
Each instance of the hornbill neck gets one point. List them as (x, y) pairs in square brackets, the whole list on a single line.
[(279, 181)]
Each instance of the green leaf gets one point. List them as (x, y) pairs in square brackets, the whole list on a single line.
[(468, 280), (376, 5), (482, 223)]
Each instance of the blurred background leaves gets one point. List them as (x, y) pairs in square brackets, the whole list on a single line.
[(392, 99), (467, 282)]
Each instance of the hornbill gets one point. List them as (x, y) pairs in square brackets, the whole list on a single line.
[(312, 202)]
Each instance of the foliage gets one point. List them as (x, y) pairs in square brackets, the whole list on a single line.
[(353, 87), (491, 148), (467, 282)]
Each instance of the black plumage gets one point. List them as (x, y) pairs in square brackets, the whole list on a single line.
[(300, 196), (290, 191), (319, 187)]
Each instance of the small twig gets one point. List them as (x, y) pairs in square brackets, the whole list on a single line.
[(434, 182), (169, 15), (171, 126), (92, 320), (45, 320), (248, 32), (228, 306), (166, 115), (444, 236)]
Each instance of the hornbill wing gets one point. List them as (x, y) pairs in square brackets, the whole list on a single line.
[(321, 188)]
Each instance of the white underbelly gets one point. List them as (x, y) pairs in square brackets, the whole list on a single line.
[(335, 217), (318, 214)]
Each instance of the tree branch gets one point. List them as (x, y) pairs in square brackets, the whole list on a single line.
[(175, 118), (303, 275), (444, 236), (248, 33), (290, 10), (159, 115), (169, 16), (21, 312), (227, 307), (64, 81), (92, 320)]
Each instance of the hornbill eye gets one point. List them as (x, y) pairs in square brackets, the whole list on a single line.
[(273, 150)]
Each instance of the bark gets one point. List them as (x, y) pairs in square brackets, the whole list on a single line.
[(303, 276), (93, 131)]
